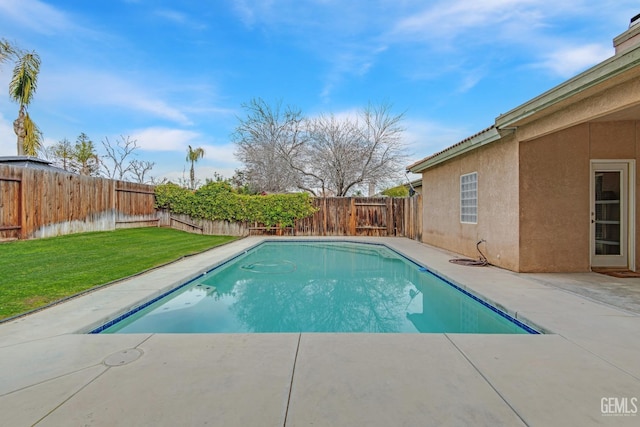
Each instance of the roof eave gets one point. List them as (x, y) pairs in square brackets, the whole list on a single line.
[(490, 135)]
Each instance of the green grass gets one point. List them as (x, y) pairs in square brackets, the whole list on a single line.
[(34, 273)]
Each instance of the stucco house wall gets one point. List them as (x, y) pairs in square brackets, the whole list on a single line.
[(497, 168), (554, 202), (555, 192)]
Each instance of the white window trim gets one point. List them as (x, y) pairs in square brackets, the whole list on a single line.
[(476, 198)]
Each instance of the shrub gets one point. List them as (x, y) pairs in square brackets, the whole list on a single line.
[(399, 191), (219, 201)]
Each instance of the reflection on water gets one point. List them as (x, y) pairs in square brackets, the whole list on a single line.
[(317, 287)]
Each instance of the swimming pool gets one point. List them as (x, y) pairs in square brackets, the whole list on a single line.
[(317, 286)]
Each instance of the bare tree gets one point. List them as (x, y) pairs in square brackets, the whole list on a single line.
[(62, 154), (266, 139), (326, 155), (157, 181), (332, 154), (342, 155), (139, 169), (116, 163), (384, 153)]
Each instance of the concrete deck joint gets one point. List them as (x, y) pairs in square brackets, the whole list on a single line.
[(504, 399), (624, 371), (71, 396), (293, 373)]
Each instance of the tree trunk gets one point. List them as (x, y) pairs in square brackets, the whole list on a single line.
[(21, 132)]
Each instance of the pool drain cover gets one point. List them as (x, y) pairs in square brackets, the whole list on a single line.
[(123, 357)]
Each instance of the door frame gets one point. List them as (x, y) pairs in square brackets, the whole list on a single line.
[(630, 209)]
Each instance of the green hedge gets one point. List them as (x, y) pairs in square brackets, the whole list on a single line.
[(219, 201), (399, 191)]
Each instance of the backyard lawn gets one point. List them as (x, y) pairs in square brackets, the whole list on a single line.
[(34, 273)]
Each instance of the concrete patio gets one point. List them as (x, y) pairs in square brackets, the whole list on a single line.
[(584, 371)]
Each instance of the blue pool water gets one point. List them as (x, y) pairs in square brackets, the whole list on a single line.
[(317, 287)]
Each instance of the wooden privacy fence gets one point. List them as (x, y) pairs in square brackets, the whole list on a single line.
[(364, 216), (336, 216), (37, 203)]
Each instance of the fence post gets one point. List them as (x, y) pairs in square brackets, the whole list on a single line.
[(391, 226), (324, 217), (23, 188), (352, 216), (114, 202)]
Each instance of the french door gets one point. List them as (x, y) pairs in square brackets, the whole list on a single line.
[(610, 212)]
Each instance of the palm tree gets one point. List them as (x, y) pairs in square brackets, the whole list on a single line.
[(22, 87), (193, 154), (5, 50)]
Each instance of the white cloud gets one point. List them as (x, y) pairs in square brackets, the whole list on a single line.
[(35, 15), (470, 79), (172, 15), (424, 138), (179, 18), (527, 31), (447, 20), (245, 12), (220, 154), (91, 87), (165, 139), (568, 61), (346, 114), (7, 137), (348, 61), (345, 35)]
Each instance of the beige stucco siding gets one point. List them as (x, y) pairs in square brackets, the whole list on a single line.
[(497, 168), (555, 192), (554, 202), (637, 194), (612, 140)]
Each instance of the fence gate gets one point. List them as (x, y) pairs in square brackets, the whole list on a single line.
[(10, 208), (135, 205), (370, 217)]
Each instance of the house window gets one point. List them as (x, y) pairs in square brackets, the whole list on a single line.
[(469, 198)]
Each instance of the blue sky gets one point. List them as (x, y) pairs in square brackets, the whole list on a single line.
[(173, 73)]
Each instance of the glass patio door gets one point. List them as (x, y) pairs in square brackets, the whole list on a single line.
[(609, 215)]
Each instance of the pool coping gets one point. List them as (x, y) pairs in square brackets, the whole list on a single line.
[(504, 312)]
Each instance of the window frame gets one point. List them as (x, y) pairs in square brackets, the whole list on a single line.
[(469, 202)]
